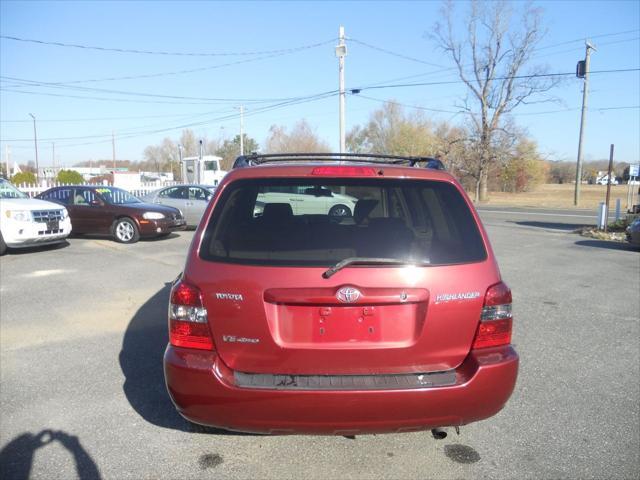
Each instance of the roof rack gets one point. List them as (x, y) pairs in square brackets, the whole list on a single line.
[(254, 159)]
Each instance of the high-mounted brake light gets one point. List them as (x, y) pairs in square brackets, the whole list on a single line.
[(188, 326), (345, 171), (495, 324)]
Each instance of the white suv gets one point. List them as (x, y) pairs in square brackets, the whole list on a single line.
[(26, 222), (311, 200)]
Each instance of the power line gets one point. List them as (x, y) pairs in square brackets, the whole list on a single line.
[(540, 75), (179, 127), (133, 134), (101, 98), (602, 35), (126, 100), (395, 54), (175, 72), (96, 119), (35, 83), (571, 109), (449, 69), (405, 105), (182, 54)]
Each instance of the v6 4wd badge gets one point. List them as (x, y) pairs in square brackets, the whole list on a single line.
[(234, 339)]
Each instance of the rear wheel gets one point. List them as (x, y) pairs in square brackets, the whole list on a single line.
[(3, 246), (125, 230), (339, 211)]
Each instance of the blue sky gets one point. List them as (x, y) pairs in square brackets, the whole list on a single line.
[(81, 127)]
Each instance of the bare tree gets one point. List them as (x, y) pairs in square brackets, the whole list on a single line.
[(162, 156), (490, 60), (189, 142), (392, 131), (301, 139)]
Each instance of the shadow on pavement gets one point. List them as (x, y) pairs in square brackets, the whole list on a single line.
[(38, 248), (16, 458), (567, 227), (143, 347), (99, 236), (607, 244), (141, 357)]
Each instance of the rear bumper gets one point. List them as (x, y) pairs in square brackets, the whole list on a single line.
[(202, 389)]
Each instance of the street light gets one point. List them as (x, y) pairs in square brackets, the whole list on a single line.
[(35, 141)]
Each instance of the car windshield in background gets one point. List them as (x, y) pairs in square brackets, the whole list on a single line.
[(7, 190), (115, 196), (321, 222)]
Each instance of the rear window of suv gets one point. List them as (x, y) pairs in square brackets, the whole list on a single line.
[(319, 222)]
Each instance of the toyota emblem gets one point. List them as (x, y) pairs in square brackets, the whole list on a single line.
[(348, 295)]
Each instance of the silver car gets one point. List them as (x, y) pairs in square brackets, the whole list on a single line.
[(191, 199)]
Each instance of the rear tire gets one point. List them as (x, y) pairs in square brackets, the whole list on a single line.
[(125, 230), (339, 211), (3, 246)]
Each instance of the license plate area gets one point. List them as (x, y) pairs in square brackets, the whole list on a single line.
[(53, 225), (348, 326)]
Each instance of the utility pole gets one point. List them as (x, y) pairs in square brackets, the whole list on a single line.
[(582, 72), (113, 149), (200, 155), (180, 166), (241, 129), (35, 141), (53, 158), (341, 52), (7, 156)]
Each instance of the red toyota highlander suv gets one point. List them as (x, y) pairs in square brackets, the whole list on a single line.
[(292, 316)]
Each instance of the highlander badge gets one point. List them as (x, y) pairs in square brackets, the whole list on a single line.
[(348, 295)]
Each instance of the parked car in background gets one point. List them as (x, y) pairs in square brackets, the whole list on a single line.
[(28, 222), (290, 319), (633, 232), (310, 199), (605, 180), (190, 199), (115, 212)]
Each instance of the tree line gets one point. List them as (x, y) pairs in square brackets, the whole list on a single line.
[(517, 164)]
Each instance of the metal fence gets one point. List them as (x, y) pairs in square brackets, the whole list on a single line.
[(139, 190)]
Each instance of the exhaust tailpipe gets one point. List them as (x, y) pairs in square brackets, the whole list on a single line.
[(439, 433)]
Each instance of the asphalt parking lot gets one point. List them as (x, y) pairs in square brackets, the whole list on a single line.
[(83, 330)]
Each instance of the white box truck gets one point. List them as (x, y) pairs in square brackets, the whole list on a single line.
[(205, 170)]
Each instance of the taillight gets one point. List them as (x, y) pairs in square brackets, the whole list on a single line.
[(188, 325), (495, 322), (345, 171)]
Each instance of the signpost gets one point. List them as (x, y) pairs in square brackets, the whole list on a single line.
[(634, 173)]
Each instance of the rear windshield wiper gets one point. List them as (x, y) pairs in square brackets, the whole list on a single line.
[(371, 261)]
